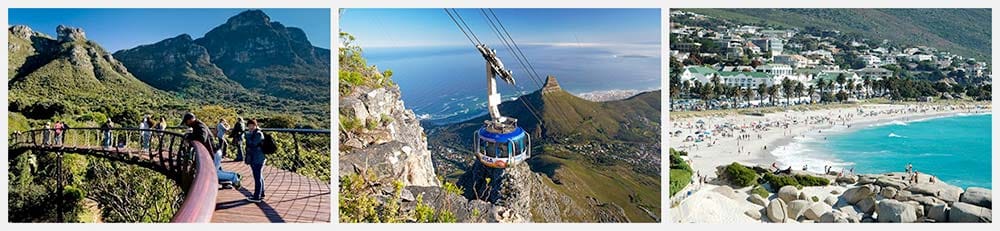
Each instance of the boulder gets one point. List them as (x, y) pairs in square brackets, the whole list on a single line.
[(853, 195), (726, 191), (978, 196), (847, 180), (753, 213), (796, 208), (893, 211), (834, 217), (830, 200), (866, 205), (889, 192), (851, 213), (866, 179), (803, 196), (942, 191), (965, 212), (917, 207), (788, 193), (816, 210), (904, 195), (757, 200), (777, 211), (938, 213)]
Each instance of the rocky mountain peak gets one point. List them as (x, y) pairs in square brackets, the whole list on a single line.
[(551, 85), (70, 34), (249, 17), (24, 32)]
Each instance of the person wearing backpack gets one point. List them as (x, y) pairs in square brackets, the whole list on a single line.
[(255, 158)]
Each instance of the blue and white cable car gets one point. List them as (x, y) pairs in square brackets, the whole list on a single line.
[(500, 143)]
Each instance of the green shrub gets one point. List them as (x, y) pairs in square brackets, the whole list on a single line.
[(780, 181), (740, 175), (680, 172), (815, 199), (678, 180), (760, 191), (798, 181), (808, 180)]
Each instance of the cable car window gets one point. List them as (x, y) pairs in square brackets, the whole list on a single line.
[(489, 148), (502, 149)]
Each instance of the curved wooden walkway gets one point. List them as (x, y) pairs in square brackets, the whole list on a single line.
[(290, 197)]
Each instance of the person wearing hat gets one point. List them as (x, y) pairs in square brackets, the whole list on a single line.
[(199, 131), (255, 158)]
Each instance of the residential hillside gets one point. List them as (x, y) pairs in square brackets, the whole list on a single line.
[(964, 31)]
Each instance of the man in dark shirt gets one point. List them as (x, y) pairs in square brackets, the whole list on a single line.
[(199, 131)]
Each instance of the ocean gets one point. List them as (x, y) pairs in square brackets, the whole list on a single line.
[(445, 85), (956, 149)]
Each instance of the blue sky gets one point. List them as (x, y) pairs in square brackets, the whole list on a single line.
[(117, 29), (433, 27)]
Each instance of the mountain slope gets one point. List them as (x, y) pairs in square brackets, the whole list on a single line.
[(267, 56), (249, 63), (69, 72), (963, 31), (600, 160)]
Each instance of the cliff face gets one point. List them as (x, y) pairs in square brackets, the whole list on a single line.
[(386, 138)]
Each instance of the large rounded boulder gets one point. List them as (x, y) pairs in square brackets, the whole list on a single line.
[(964, 212), (788, 193), (893, 211), (978, 196), (777, 211)]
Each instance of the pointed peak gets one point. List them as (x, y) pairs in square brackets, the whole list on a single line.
[(249, 17), (551, 85)]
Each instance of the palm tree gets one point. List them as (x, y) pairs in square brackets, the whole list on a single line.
[(799, 89), (786, 88), (841, 78), (812, 90), (868, 83), (772, 92), (761, 92)]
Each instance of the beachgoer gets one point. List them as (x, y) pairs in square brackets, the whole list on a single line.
[(805, 167), (256, 159)]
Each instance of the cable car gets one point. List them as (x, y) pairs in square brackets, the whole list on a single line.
[(500, 143)]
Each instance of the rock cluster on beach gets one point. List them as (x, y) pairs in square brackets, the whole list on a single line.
[(885, 197)]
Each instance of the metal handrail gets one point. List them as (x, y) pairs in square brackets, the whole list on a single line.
[(189, 163), (199, 204)]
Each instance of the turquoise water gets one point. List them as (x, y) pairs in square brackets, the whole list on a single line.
[(956, 149)]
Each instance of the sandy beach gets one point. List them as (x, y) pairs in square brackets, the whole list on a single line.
[(753, 140), (750, 139)]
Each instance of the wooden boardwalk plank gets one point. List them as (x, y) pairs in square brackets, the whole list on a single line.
[(290, 198)]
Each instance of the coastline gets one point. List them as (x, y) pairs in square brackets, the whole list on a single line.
[(715, 202), (704, 158)]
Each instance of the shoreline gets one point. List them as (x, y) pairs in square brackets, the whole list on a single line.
[(781, 128)]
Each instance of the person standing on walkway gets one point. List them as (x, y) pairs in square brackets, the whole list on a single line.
[(144, 127), (47, 134), (237, 135), (255, 158), (220, 135), (106, 130), (199, 132), (59, 132)]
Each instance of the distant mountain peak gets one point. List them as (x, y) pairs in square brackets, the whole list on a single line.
[(551, 85), (249, 17), (70, 34)]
